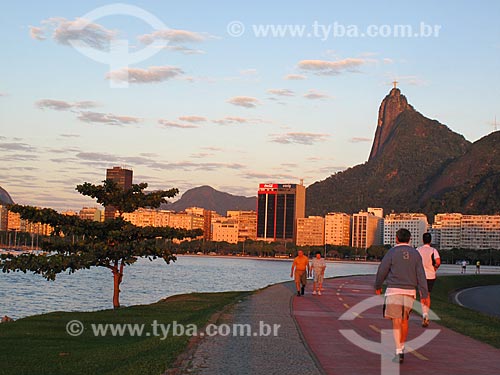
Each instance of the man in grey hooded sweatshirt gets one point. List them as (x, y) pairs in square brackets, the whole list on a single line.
[(403, 271)]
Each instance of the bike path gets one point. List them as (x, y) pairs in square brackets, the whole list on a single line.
[(449, 353)]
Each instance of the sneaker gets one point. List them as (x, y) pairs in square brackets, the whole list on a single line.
[(298, 293), (302, 290), (314, 293), (425, 321), (399, 358), (319, 292)]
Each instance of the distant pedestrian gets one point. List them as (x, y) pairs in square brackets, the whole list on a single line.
[(403, 271), (318, 265), (478, 267), (300, 270), (431, 262), (464, 266)]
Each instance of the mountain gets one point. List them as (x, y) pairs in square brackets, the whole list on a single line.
[(211, 199), (416, 165), (5, 197), (471, 183)]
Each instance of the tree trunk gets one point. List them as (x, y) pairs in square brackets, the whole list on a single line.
[(117, 280)]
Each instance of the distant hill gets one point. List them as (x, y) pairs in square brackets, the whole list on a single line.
[(5, 197), (416, 164), (211, 199), (471, 183)]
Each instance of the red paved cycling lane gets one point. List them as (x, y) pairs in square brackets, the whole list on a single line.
[(449, 353)]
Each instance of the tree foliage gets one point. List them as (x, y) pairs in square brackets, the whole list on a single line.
[(81, 244)]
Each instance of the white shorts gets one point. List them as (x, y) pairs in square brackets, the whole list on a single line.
[(398, 306)]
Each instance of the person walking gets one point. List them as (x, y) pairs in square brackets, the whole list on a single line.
[(431, 262), (402, 270), (464, 266), (300, 270), (318, 265), (478, 267)]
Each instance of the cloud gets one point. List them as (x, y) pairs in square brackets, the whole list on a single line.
[(149, 75), (79, 31), (359, 139), (202, 155), (248, 72), (243, 101), (61, 105), (106, 118), (295, 77), (184, 50), (65, 150), (189, 165), (270, 176), (70, 135), (299, 137), (229, 120), (410, 80), (212, 148), (194, 119), (16, 146), (37, 33), (172, 124), (175, 36), (387, 60), (281, 92), (314, 94), (324, 67)]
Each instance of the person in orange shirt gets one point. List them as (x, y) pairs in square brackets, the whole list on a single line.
[(300, 270)]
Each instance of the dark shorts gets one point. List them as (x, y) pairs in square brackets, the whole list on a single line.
[(430, 284)]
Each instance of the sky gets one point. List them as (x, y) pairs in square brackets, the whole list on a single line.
[(224, 93)]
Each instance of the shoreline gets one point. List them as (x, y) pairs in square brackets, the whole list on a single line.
[(273, 258)]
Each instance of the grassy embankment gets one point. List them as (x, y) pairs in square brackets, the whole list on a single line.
[(40, 345), (465, 321)]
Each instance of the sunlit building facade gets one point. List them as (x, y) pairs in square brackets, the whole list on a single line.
[(365, 230), (247, 224), (310, 231), (337, 229), (416, 223)]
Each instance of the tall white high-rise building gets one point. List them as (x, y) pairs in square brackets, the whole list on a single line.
[(416, 223)]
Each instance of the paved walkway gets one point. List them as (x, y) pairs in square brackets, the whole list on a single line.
[(485, 299), (230, 355), (310, 341), (318, 318)]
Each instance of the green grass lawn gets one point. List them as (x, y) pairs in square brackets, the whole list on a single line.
[(40, 345), (465, 321)]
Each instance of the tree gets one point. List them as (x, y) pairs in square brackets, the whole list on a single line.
[(80, 244)]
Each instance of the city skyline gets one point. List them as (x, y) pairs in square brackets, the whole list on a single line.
[(215, 106)]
